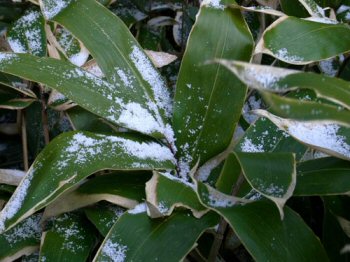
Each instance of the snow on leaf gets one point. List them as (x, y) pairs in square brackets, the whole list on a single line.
[(51, 8), (140, 208), (115, 251)]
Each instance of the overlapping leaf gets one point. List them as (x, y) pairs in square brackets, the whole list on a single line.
[(69, 159)]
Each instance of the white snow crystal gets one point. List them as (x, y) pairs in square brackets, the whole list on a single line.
[(249, 146), (140, 208), (216, 4), (115, 251), (51, 8), (284, 55)]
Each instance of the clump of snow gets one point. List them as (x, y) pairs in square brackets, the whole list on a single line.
[(153, 78), (51, 8), (327, 67), (80, 58), (136, 117), (249, 146), (252, 104), (28, 229), (114, 251), (321, 135), (216, 4), (16, 201), (16, 45), (180, 180), (140, 208), (125, 77), (284, 55), (343, 8)]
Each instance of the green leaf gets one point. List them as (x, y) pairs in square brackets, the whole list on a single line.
[(271, 174), (27, 35), (6, 102), (265, 235), (165, 192), (293, 8), (325, 176), (203, 96), (87, 90), (23, 239), (125, 189), (329, 138), (70, 158), (104, 215), (116, 51), (298, 41), (136, 237), (16, 84), (313, 8), (69, 239), (280, 80), (301, 110)]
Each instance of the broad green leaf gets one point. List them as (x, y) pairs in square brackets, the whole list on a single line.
[(82, 119), (329, 138), (165, 192), (203, 95), (70, 158), (136, 237), (322, 163), (117, 53), (28, 34), (229, 174), (87, 90), (301, 110), (271, 174), (280, 80), (125, 189), (23, 239), (70, 238), (104, 215), (298, 41), (267, 237), (323, 182), (293, 8)]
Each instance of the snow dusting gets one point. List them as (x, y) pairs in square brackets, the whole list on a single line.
[(153, 78), (321, 135), (28, 229), (323, 20), (249, 146), (51, 8), (177, 179), (327, 67), (216, 4), (115, 251), (27, 27), (140, 208), (16, 201), (284, 55)]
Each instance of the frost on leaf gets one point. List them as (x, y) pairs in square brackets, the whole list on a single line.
[(153, 78), (284, 55), (216, 4), (51, 8), (114, 251), (26, 34)]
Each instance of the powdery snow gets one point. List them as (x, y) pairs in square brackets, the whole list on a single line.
[(28, 229), (16, 201), (153, 78), (320, 135), (115, 251), (216, 4), (249, 146), (16, 45), (284, 55), (140, 208), (51, 8)]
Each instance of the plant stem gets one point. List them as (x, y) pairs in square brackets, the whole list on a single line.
[(219, 236), (24, 140)]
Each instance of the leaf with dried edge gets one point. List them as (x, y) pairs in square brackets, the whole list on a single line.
[(16, 84), (202, 97), (259, 9), (180, 229), (271, 174), (268, 238), (165, 192), (117, 53), (280, 80), (313, 8), (121, 188), (87, 90), (23, 239), (70, 238), (298, 41), (15, 103), (70, 158), (329, 138)]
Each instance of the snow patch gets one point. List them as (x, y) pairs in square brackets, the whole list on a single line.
[(140, 208), (284, 55), (51, 8), (216, 4), (115, 251), (249, 146)]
